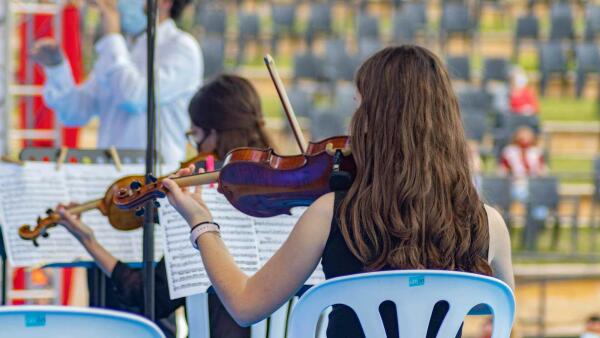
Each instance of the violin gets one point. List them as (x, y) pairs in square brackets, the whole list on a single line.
[(119, 219), (261, 183)]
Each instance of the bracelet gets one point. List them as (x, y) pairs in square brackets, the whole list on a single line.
[(202, 228), (205, 222)]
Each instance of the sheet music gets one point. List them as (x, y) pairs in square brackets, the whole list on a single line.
[(88, 182), (185, 271), (29, 190), (26, 193)]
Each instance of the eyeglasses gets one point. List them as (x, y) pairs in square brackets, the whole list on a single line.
[(190, 138)]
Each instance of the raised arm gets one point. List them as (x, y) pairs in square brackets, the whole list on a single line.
[(178, 71), (250, 299), (74, 104)]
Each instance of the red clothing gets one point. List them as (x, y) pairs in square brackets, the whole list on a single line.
[(522, 162), (524, 101)]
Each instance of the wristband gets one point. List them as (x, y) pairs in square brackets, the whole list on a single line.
[(202, 228)]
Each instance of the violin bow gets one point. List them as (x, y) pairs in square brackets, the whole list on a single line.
[(285, 101)]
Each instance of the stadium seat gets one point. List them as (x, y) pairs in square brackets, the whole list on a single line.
[(248, 31), (404, 28), (319, 21), (301, 100), (495, 69), (418, 11), (542, 204), (587, 62), (213, 52), (592, 21), (413, 294), (327, 123), (552, 60), (459, 67), (213, 19), (367, 27), (528, 28), (471, 98), (284, 22), (366, 48), (73, 322), (456, 20), (495, 191), (475, 124), (338, 64), (307, 66)]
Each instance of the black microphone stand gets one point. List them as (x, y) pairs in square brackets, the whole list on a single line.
[(150, 210)]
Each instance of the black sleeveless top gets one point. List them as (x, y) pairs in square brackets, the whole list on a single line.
[(338, 261)]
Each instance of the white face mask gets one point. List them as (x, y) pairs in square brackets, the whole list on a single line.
[(132, 15)]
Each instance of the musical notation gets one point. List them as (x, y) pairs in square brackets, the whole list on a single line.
[(28, 191)]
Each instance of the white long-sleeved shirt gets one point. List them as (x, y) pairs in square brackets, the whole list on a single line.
[(116, 91)]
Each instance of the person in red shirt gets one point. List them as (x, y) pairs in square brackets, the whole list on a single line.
[(523, 99), (522, 158)]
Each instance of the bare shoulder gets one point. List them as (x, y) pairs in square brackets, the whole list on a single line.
[(324, 204)]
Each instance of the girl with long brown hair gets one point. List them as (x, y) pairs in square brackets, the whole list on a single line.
[(226, 114), (412, 204)]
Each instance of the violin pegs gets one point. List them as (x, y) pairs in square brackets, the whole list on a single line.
[(135, 185), (140, 212), (151, 178), (49, 212), (35, 243), (44, 233), (156, 204), (39, 219)]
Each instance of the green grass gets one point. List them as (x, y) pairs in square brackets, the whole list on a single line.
[(568, 109), (564, 247)]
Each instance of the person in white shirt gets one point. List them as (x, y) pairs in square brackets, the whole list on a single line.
[(116, 89)]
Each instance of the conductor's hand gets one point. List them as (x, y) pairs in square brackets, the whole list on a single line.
[(187, 202), (110, 15), (47, 52), (82, 232)]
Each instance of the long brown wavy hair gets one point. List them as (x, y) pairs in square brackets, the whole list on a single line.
[(413, 204)]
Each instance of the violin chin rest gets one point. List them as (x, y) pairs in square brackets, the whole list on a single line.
[(340, 181)]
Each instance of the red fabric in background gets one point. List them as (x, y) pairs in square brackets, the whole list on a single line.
[(43, 117)]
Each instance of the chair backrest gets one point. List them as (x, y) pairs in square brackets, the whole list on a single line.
[(249, 25), (552, 58), (213, 52), (284, 15), (301, 100), (495, 69), (528, 27), (472, 98), (459, 67), (405, 27), (415, 293), (496, 191), (587, 57), (543, 192), (367, 26), (561, 28), (307, 66), (320, 17), (418, 11), (475, 124), (73, 322), (597, 178), (456, 18), (592, 20), (213, 19), (327, 123), (561, 9)]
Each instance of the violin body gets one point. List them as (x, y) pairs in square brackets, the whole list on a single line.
[(261, 183), (120, 219)]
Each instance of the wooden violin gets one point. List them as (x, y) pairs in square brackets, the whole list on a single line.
[(119, 219), (259, 182)]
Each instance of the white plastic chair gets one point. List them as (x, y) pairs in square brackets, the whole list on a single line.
[(414, 292), (73, 322)]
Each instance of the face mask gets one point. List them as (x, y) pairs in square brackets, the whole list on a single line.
[(133, 18)]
